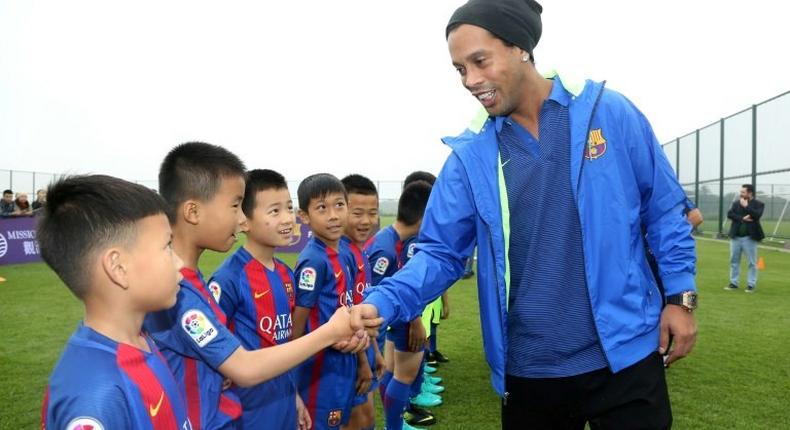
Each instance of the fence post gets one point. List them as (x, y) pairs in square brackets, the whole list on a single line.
[(11, 179), (696, 170), (721, 177), (677, 158), (754, 148)]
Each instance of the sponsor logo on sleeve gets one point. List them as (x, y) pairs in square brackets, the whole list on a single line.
[(198, 327), (307, 279), (85, 423), (381, 265)]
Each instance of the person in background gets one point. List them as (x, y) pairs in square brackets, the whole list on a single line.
[(745, 233)]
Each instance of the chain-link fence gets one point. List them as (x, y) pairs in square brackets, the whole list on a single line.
[(30, 182), (751, 146)]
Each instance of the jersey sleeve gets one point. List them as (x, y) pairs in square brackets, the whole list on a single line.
[(224, 286), (101, 406), (199, 333), (309, 274), (382, 265)]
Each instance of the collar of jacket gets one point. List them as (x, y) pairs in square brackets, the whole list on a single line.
[(478, 151)]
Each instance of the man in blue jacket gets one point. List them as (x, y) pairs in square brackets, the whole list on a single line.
[(554, 186)]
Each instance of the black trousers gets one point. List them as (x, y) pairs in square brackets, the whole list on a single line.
[(634, 398)]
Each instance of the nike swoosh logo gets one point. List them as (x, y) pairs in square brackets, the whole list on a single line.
[(154, 411), (506, 161), (259, 295), (337, 275), (361, 268)]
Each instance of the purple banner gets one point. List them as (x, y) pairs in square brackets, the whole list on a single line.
[(302, 234), (18, 241), (299, 240)]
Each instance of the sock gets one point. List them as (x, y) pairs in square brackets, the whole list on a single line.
[(434, 327), (416, 387), (385, 380), (397, 398)]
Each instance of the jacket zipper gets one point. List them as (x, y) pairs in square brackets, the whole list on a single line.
[(581, 229), (499, 312)]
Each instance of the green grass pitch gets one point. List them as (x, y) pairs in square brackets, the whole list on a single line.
[(738, 377)]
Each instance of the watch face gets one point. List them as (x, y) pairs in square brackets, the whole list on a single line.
[(690, 300)]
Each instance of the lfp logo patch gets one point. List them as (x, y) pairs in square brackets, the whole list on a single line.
[(307, 279), (596, 145), (216, 290), (84, 423), (381, 265), (410, 251), (198, 327)]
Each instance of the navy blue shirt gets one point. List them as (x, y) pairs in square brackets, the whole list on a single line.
[(551, 332)]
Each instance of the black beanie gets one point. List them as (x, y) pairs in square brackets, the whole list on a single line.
[(514, 21)]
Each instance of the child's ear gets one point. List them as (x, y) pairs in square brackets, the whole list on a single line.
[(304, 216), (244, 226), (190, 211), (115, 267)]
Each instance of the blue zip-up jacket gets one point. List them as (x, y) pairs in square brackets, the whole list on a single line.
[(621, 180)]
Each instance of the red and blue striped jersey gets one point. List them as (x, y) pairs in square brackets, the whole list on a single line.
[(99, 384), (193, 336), (325, 281), (386, 254), (259, 305), (364, 275)]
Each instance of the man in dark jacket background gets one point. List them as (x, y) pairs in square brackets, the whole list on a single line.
[(745, 233)]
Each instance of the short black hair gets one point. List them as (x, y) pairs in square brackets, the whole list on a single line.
[(85, 214), (419, 175), (260, 180), (195, 170), (412, 202), (7, 192), (749, 188), (358, 184), (318, 186)]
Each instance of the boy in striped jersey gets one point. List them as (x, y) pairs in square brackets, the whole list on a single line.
[(325, 272), (363, 220), (204, 186), (256, 292), (110, 243)]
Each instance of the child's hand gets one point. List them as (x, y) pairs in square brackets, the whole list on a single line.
[(346, 339), (303, 417), (364, 377)]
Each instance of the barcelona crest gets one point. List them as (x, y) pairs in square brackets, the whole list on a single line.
[(335, 417), (596, 145), (289, 289)]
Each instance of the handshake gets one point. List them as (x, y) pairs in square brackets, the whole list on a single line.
[(353, 327)]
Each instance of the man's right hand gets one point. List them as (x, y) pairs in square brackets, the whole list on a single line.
[(346, 338), (744, 202), (366, 317)]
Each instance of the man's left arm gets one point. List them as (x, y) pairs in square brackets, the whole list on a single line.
[(754, 209), (668, 232)]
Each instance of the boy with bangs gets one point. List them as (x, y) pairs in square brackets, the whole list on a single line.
[(204, 185), (256, 292), (326, 271), (120, 264), (363, 220)]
